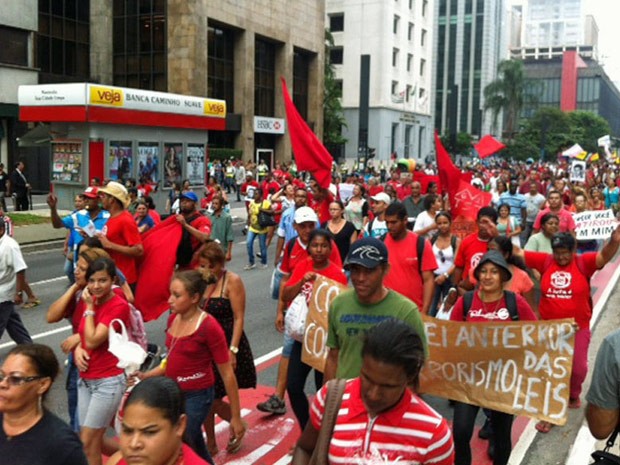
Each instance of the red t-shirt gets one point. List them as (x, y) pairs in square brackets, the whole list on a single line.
[(190, 358), (332, 272), (404, 276), (202, 224), (567, 223), (299, 253), (470, 252), (374, 190), (484, 312), (564, 290), (121, 229), (189, 457), (321, 208), (266, 186), (403, 191), (145, 190), (156, 217), (102, 363)]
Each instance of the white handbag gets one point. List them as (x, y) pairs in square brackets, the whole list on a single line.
[(129, 354), (295, 318)]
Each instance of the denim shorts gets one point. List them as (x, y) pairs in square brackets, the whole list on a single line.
[(99, 399), (287, 345)]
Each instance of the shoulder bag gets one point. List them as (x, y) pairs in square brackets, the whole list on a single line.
[(335, 389), (265, 219), (604, 457)]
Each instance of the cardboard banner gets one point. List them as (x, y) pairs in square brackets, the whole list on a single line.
[(594, 224), (463, 227), (521, 367), (345, 191), (314, 347)]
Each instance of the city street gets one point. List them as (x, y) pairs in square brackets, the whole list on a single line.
[(269, 439)]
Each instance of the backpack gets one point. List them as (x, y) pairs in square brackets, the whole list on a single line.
[(509, 296), (136, 330), (185, 251), (452, 241)]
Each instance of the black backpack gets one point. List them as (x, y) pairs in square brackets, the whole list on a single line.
[(509, 296), (185, 251)]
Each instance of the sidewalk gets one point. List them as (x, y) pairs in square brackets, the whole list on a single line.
[(43, 236)]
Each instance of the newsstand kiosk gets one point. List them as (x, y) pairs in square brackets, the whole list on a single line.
[(114, 133)]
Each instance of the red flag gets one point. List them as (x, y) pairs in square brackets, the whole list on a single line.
[(487, 146), (465, 199), (310, 154), (154, 273)]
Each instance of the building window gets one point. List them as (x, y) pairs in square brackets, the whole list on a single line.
[(411, 4), (264, 78), (410, 31), (422, 67), (394, 57), (336, 55), (140, 50), (394, 87), (395, 25), (63, 41), (301, 66), (14, 50), (407, 93), (409, 61), (221, 65), (336, 22), (338, 85), (423, 38), (424, 7)]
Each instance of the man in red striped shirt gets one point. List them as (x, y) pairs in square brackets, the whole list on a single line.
[(380, 420)]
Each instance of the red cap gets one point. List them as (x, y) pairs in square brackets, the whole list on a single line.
[(91, 192)]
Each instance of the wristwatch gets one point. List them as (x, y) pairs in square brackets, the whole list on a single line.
[(446, 275), (234, 349)]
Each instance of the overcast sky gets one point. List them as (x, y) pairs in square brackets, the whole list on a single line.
[(607, 16)]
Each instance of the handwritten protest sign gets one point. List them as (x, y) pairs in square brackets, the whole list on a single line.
[(595, 224), (463, 227), (521, 367), (314, 349)]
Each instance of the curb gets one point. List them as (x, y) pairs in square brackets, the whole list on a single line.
[(41, 246)]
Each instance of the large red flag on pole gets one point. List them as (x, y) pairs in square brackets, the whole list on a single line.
[(465, 199), (310, 154)]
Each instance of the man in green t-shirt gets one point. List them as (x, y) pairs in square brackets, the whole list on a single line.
[(355, 311)]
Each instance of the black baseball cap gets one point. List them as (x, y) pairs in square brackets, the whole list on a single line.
[(368, 252)]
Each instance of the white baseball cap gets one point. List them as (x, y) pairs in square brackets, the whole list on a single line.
[(305, 214), (382, 197)]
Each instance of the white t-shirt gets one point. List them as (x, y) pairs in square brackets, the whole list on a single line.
[(11, 263), (379, 228), (424, 220)]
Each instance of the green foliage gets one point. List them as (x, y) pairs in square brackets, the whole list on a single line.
[(224, 154), (462, 145), (333, 117), (552, 130)]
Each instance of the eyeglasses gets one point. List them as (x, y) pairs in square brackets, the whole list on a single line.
[(14, 380)]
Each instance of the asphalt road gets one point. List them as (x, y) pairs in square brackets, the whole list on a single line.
[(46, 277)]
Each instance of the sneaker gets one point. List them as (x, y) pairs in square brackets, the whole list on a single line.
[(273, 405), (249, 266), (264, 267), (485, 431)]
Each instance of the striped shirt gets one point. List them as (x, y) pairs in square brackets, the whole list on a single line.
[(409, 433)]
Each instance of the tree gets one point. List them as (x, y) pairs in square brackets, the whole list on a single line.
[(587, 128), (333, 117), (462, 145), (505, 95)]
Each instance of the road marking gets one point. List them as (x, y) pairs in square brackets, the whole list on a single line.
[(47, 281), (285, 428), (223, 424), (523, 444), (39, 335)]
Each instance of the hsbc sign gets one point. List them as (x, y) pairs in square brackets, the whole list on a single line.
[(268, 125)]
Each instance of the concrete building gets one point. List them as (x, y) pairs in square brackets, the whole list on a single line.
[(223, 49), (398, 37), (472, 39), (18, 27)]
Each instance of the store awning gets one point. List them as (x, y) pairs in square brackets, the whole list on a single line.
[(36, 137)]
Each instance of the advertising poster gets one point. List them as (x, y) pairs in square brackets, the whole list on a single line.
[(120, 161), (67, 161), (148, 161), (173, 154), (196, 164)]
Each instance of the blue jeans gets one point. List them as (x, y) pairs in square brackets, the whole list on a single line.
[(197, 405), (69, 270), (73, 375), (440, 293), (262, 241)]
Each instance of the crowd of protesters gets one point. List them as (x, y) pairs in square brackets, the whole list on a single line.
[(386, 231)]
